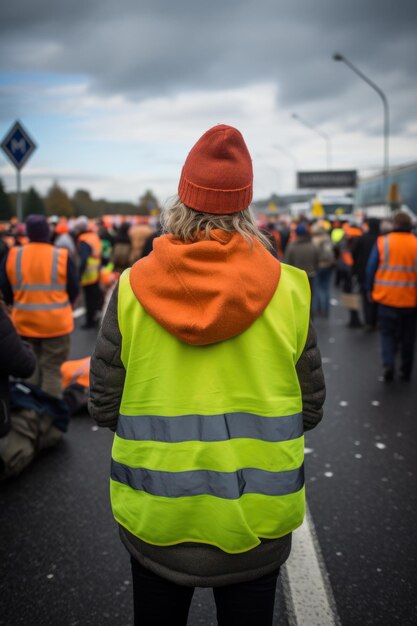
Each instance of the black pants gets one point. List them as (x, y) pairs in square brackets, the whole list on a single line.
[(159, 602), (370, 309), (93, 301), (398, 332)]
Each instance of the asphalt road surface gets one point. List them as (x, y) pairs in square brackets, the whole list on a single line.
[(62, 564)]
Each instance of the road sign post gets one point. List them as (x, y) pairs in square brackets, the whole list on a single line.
[(19, 207), (18, 146)]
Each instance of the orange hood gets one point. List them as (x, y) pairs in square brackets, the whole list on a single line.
[(206, 291)]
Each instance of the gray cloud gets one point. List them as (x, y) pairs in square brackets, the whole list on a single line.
[(145, 49)]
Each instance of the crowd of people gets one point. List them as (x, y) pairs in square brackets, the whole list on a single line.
[(374, 264), (188, 339), (48, 268), (66, 262)]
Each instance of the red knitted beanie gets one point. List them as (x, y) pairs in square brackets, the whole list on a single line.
[(217, 175)]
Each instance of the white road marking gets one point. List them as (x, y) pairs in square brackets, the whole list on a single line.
[(78, 312), (308, 593)]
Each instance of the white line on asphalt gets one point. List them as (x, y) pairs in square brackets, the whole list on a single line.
[(308, 593), (78, 312)]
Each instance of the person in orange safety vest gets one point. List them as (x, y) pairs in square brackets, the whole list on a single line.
[(40, 281), (89, 249), (391, 281)]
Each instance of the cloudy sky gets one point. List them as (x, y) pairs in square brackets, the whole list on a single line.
[(116, 93)]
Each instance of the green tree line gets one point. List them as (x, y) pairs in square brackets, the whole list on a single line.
[(58, 202)]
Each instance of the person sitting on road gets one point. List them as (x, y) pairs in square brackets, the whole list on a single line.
[(20, 361)]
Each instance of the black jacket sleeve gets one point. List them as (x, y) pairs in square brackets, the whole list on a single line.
[(73, 286), (107, 373), (85, 251), (311, 379), (17, 357), (5, 286)]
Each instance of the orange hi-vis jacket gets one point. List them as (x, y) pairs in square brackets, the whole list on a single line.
[(92, 271), (345, 253), (278, 243), (37, 273), (77, 371), (395, 282)]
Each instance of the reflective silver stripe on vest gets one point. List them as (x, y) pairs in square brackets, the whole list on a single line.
[(386, 250), (40, 307), (54, 274), (397, 268), (396, 283), (394, 268), (19, 268), (41, 287), (209, 427), (52, 286), (227, 485)]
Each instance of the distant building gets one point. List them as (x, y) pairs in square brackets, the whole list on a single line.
[(333, 203), (371, 192)]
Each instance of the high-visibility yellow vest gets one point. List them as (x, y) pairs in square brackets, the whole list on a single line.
[(92, 269), (209, 446)]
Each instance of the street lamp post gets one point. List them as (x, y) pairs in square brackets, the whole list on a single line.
[(340, 57), (322, 134)]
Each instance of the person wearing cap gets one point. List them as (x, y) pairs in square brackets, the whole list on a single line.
[(391, 281), (89, 249), (326, 262), (207, 368), (350, 286), (63, 239), (40, 282), (302, 253)]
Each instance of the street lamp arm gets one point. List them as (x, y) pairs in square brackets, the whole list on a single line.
[(319, 132), (376, 88), (367, 80), (337, 56), (287, 152)]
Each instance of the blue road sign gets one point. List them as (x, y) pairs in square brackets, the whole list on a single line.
[(18, 145)]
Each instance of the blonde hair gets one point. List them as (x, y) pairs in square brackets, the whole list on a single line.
[(185, 224)]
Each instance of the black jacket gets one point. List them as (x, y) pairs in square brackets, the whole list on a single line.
[(16, 359), (361, 250)]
